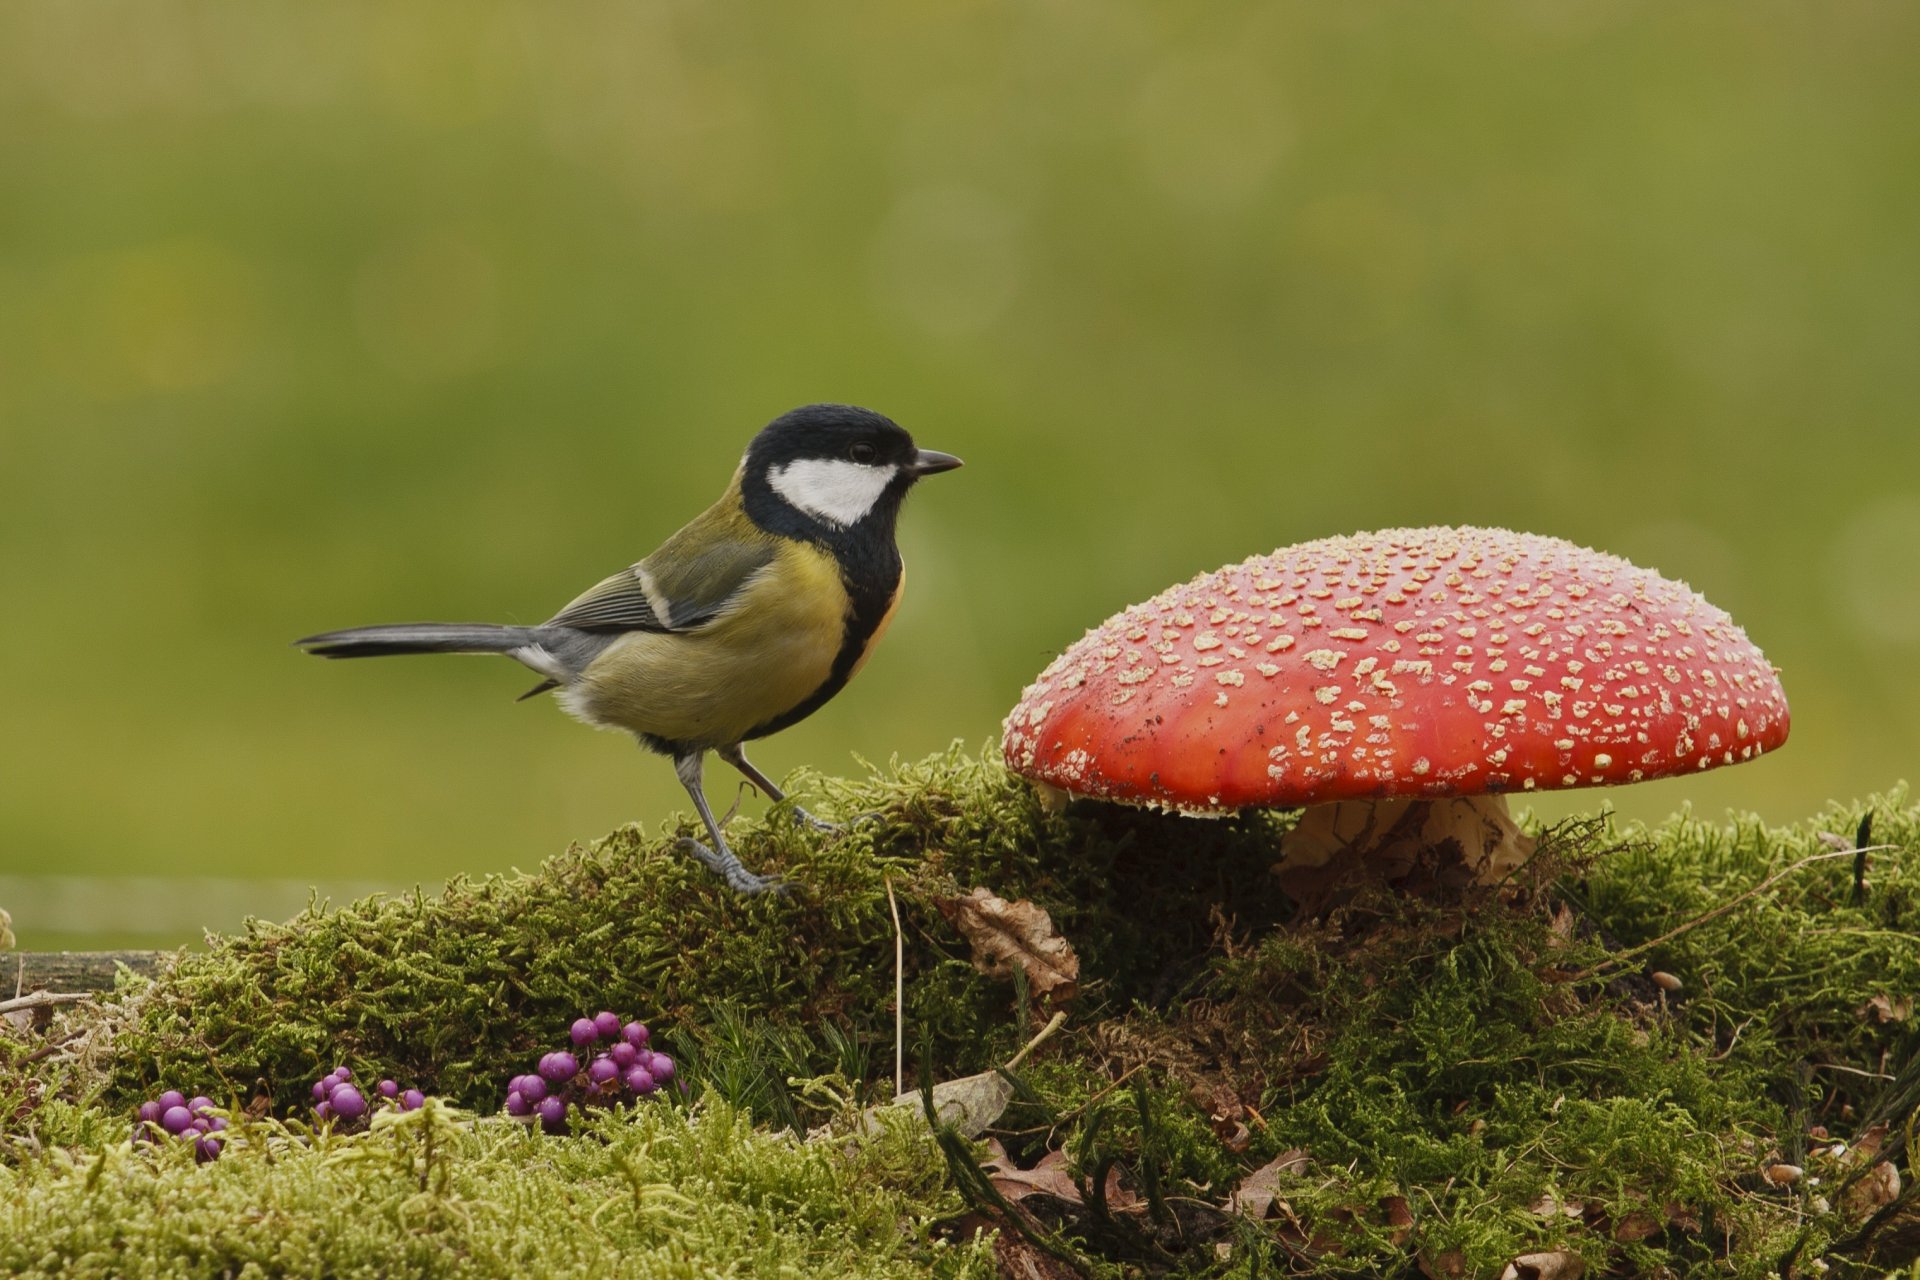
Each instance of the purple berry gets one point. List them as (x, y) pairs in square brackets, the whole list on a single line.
[(517, 1104), (200, 1104), (661, 1067), (607, 1024), (635, 1033), (150, 1112), (170, 1099), (347, 1102), (389, 1089), (412, 1100), (323, 1112), (603, 1070), (640, 1080), (624, 1055), (584, 1032), (206, 1149), (342, 1073), (558, 1068), (533, 1088), (552, 1113), (321, 1088), (217, 1123), (176, 1120)]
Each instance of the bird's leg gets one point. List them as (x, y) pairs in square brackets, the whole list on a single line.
[(736, 756), (719, 859)]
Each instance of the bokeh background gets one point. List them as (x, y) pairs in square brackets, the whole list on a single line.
[(315, 315)]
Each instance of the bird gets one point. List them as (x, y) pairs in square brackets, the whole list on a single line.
[(743, 623)]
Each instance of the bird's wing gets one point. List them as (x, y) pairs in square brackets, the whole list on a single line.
[(685, 584)]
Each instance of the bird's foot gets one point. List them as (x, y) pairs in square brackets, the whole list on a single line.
[(729, 868), (818, 824), (835, 828)]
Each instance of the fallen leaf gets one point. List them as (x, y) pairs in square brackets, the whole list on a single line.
[(1638, 1225), (1019, 1260), (1560, 928), (1888, 1008), (1550, 1205), (1047, 1178), (1450, 1265), (1008, 934), (1557, 1265), (6, 932), (970, 1104), (1678, 1215), (1877, 1189), (1257, 1192), (1399, 1217), (1867, 1146)]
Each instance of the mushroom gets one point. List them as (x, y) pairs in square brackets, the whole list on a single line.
[(1397, 684)]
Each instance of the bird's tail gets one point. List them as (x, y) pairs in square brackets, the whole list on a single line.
[(418, 637)]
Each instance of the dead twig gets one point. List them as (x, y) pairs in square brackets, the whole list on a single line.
[(43, 1000), (899, 994)]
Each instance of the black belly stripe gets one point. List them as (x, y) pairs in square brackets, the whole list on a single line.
[(868, 606)]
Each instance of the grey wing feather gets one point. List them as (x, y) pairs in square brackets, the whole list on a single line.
[(687, 583), (618, 603)]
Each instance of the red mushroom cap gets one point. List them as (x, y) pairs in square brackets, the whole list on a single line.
[(1409, 662)]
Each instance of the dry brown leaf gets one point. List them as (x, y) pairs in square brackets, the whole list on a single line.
[(1638, 1225), (1257, 1192), (1450, 1265), (1399, 1217), (1550, 1205), (1876, 1190), (1008, 934), (1048, 1178), (1019, 1260), (1560, 927), (1557, 1265), (1888, 1008)]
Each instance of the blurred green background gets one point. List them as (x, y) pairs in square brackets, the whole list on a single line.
[(315, 315)]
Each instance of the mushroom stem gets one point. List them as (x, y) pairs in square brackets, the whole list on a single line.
[(1354, 840)]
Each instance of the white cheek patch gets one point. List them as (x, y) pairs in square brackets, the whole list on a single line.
[(836, 491)]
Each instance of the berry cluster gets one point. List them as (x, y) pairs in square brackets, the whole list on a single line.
[(626, 1068), (174, 1115), (336, 1098)]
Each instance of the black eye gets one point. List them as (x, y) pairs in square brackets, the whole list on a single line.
[(863, 453)]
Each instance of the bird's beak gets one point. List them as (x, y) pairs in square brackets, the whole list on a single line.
[(926, 462)]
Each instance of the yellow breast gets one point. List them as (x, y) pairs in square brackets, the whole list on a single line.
[(771, 650)]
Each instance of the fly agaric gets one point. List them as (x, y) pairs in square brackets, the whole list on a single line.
[(1397, 684)]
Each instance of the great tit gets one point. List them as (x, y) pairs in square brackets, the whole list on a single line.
[(744, 622)]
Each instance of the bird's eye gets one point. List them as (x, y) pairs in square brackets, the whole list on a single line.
[(863, 453)]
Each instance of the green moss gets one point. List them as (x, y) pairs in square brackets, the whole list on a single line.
[(1471, 1079), (461, 989), (659, 1193)]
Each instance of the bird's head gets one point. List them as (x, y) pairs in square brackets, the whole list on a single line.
[(835, 465)]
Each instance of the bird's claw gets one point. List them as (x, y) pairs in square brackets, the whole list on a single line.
[(835, 828), (818, 824), (729, 868)]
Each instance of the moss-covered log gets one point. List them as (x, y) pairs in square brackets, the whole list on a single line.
[(75, 970), (1470, 1078)]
